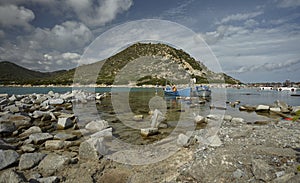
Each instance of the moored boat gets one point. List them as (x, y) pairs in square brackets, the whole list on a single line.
[(203, 91)]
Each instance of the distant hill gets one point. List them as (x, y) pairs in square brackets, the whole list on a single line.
[(138, 64)]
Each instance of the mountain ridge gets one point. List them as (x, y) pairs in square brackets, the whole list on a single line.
[(164, 57)]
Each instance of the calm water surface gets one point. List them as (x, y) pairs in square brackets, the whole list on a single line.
[(124, 103)]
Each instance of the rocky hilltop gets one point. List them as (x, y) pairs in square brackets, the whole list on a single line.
[(140, 63)]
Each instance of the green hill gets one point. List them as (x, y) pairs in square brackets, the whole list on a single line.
[(138, 64)]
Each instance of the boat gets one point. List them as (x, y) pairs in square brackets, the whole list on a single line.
[(197, 91), (173, 91), (291, 89), (203, 91)]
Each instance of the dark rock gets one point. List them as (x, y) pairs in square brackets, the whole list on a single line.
[(8, 157), (6, 146), (64, 123), (30, 160), (7, 127)]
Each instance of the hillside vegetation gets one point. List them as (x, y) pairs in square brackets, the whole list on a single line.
[(138, 64)]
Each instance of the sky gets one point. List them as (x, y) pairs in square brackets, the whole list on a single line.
[(253, 41)]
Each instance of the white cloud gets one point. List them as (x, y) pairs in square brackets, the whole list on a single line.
[(288, 3), (240, 17), (69, 35), (100, 13), (11, 15)]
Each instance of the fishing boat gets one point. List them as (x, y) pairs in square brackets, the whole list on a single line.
[(203, 91), (173, 91)]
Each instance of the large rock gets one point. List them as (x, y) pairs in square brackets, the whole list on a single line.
[(57, 101), (8, 157), (30, 160), (20, 120), (12, 98), (39, 138), (54, 144), (11, 176), (64, 123), (156, 118), (52, 163), (262, 108), (261, 170), (96, 125), (91, 149), (12, 108), (31, 130)]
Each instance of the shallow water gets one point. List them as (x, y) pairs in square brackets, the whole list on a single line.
[(125, 103)]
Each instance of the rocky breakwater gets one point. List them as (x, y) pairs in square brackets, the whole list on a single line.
[(40, 135)]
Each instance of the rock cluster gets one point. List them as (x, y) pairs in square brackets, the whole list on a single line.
[(40, 136)]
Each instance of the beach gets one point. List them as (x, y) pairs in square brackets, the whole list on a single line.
[(70, 135)]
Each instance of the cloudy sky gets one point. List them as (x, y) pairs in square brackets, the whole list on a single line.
[(254, 41)]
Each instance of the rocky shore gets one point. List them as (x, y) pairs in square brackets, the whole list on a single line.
[(43, 141)]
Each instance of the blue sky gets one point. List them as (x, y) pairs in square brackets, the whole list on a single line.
[(254, 41)]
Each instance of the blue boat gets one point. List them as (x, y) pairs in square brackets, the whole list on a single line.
[(198, 91), (173, 91), (203, 91)]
